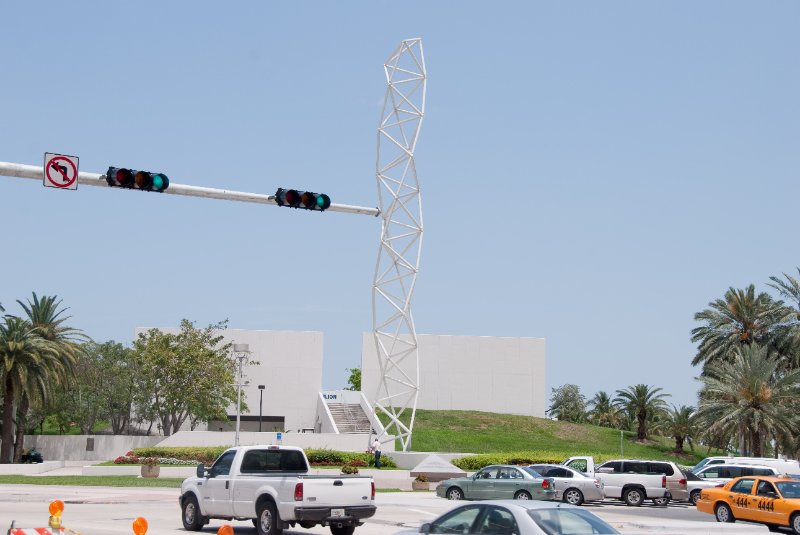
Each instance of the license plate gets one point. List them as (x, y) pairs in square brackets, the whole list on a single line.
[(337, 513)]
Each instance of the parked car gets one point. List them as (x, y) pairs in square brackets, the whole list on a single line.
[(676, 479), (505, 517), (722, 473), (696, 484), (571, 486), (782, 466), (497, 482), (770, 500), (625, 482)]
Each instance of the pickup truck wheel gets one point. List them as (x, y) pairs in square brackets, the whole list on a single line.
[(455, 493), (633, 497), (344, 530), (267, 522), (573, 496), (192, 520), (723, 513)]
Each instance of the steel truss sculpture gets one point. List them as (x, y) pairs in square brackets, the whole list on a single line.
[(401, 240)]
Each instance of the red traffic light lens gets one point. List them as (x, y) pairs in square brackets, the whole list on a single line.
[(123, 177), (292, 197)]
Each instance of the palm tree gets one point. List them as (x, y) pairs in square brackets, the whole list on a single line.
[(603, 412), (46, 316), (741, 318), (750, 394), (643, 403), (22, 351), (789, 331), (679, 423)]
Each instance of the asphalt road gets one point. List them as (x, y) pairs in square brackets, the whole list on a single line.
[(111, 511)]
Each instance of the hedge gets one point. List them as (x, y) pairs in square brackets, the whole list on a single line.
[(323, 457)]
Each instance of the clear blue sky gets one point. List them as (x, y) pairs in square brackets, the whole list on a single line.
[(593, 173)]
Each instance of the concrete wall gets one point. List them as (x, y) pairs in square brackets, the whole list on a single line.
[(482, 373), (348, 442), (76, 447), (290, 367), (72, 448)]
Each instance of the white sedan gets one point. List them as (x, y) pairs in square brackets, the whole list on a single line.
[(572, 486), (507, 517)]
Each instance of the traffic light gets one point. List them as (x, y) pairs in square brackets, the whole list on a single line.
[(120, 177), (306, 200)]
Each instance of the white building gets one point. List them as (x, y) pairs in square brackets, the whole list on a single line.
[(290, 369), (504, 375), (482, 373)]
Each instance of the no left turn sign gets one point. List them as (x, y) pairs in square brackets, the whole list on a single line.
[(60, 171)]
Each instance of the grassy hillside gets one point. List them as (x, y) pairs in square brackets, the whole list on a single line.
[(485, 432)]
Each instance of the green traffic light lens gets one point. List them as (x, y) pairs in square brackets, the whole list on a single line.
[(160, 182)]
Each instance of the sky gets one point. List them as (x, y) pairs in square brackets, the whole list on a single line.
[(592, 173)]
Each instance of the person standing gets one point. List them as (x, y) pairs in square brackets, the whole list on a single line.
[(376, 448)]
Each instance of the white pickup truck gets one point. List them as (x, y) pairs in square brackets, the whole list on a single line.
[(271, 486), (632, 488)]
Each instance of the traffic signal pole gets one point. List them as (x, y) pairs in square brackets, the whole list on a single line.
[(36, 172)]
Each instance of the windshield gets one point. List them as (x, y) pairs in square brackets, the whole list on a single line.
[(699, 466), (558, 521), (788, 489)]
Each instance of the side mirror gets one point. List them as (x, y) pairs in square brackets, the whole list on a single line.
[(201, 471), (425, 528)]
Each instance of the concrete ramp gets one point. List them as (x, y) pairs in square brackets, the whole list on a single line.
[(436, 469)]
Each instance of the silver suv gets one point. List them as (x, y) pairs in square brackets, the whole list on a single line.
[(676, 479)]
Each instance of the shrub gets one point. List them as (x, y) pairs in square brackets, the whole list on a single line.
[(205, 455), (150, 461), (333, 457), (421, 477), (128, 458), (349, 469)]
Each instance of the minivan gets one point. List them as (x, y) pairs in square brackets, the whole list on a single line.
[(726, 472), (782, 466)]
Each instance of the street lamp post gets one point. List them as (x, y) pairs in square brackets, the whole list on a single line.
[(240, 353), (260, 404)]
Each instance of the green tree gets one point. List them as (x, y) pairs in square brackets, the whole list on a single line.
[(354, 381), (740, 318), (47, 317), (602, 411), (185, 376), (642, 403), (679, 423), (750, 395), (788, 343), (567, 404), (23, 352)]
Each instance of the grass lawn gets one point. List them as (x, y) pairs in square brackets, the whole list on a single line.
[(485, 432), (94, 481)]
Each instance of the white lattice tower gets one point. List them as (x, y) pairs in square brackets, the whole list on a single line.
[(401, 240)]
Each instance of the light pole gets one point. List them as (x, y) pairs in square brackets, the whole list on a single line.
[(260, 404), (240, 353)]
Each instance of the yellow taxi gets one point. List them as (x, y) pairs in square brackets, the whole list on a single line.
[(770, 500)]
